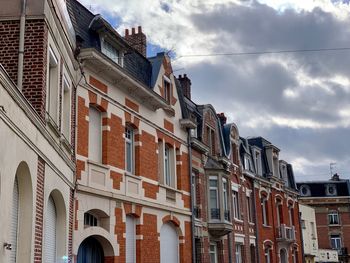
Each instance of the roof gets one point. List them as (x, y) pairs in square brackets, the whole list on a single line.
[(322, 188), (87, 25)]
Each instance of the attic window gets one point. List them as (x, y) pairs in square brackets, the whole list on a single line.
[(331, 190), (167, 89), (305, 190), (112, 52)]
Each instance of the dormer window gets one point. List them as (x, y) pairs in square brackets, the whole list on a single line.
[(246, 162), (167, 89), (283, 171), (257, 160), (111, 51), (305, 190), (331, 190)]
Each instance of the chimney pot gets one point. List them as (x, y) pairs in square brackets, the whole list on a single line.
[(222, 118), (126, 32), (137, 41), (186, 85), (139, 29), (133, 31)]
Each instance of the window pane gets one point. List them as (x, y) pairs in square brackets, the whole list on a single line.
[(213, 198)]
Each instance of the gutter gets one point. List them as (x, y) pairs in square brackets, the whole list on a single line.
[(22, 25), (192, 194), (257, 258)]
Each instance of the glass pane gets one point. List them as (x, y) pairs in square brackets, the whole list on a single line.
[(213, 182), (213, 199), (128, 157)]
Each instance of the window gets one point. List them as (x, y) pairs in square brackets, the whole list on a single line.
[(303, 225), (66, 109), (239, 249), (246, 162), (110, 51), (225, 199), (264, 211), (194, 197), (198, 250), (335, 241), (333, 218), (279, 212), (234, 153), (284, 171), (167, 165), (194, 132), (267, 255), (331, 190), (95, 135), (236, 208), (291, 216), (50, 242), (214, 200), (129, 149), (313, 230), (257, 160), (52, 88), (211, 140), (213, 253), (249, 209), (276, 167), (305, 190), (167, 89), (90, 220)]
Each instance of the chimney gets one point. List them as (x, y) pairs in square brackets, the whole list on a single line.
[(137, 40), (222, 118), (186, 85), (335, 177)]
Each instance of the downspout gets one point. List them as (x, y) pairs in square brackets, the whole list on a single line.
[(22, 25), (229, 240), (257, 258), (192, 194), (301, 236)]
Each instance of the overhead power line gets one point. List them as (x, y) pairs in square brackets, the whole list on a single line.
[(265, 52)]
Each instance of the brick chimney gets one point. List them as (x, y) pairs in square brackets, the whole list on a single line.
[(137, 40), (222, 118), (186, 85)]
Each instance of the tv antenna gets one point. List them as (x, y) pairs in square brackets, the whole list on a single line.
[(331, 167)]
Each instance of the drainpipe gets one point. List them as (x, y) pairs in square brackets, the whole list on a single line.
[(22, 25), (301, 237), (229, 240), (192, 194), (257, 258)]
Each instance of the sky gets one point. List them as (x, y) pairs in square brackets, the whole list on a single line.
[(298, 101)]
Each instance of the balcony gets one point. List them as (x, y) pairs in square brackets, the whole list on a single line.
[(196, 212), (285, 233), (218, 224), (343, 251)]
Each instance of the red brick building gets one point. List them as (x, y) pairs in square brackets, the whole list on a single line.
[(331, 200), (277, 211), (132, 201)]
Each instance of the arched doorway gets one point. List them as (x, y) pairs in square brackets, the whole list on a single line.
[(90, 251), (283, 256), (169, 244)]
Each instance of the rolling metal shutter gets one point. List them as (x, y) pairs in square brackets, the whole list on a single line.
[(169, 244), (50, 232), (130, 240), (14, 222)]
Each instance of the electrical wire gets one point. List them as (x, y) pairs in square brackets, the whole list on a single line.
[(264, 52)]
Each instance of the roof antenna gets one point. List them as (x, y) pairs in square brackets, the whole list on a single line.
[(331, 166)]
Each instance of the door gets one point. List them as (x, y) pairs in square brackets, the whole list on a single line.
[(50, 227), (90, 251), (169, 244)]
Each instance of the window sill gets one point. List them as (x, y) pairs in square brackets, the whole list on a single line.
[(66, 144), (132, 175), (169, 188), (335, 225), (267, 226), (101, 165), (238, 220), (252, 223)]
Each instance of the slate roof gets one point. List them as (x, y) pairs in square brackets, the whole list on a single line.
[(318, 188), (85, 25)]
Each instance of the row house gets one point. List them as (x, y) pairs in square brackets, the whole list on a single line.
[(132, 201), (36, 136), (276, 205), (330, 200)]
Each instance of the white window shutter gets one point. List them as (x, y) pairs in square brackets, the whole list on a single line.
[(130, 240), (14, 222), (50, 232), (169, 244), (95, 135)]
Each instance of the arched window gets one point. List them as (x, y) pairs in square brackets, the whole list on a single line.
[(169, 244), (264, 211), (267, 254), (90, 220), (129, 150), (283, 256), (50, 228), (130, 242)]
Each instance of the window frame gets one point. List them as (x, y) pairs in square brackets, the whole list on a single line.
[(216, 189), (333, 218), (336, 239), (129, 134), (236, 204), (52, 85), (66, 128), (213, 252), (108, 48), (90, 150), (238, 253), (264, 210)]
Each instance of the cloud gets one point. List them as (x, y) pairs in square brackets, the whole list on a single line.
[(299, 101)]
